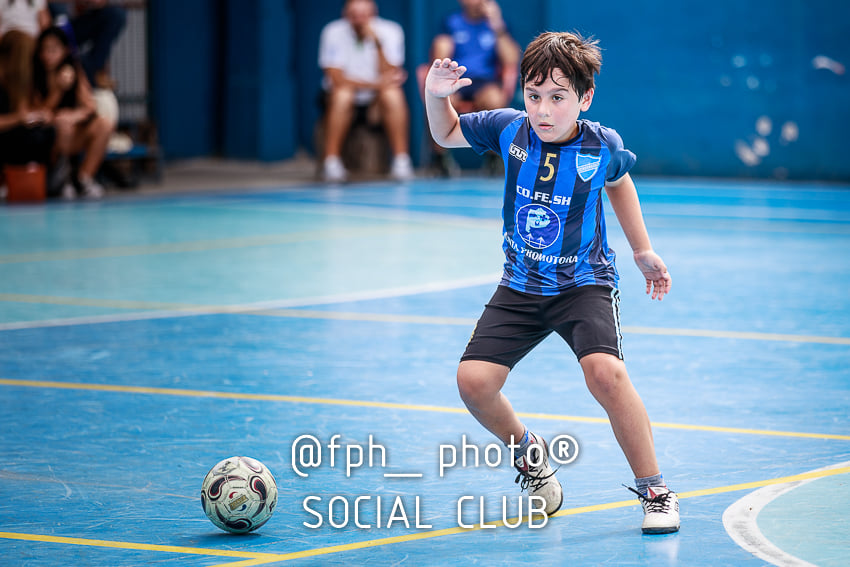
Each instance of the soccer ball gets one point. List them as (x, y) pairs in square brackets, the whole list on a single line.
[(239, 494)]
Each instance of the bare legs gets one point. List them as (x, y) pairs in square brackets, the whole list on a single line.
[(338, 119), (608, 381), (480, 384), (91, 138), (393, 111)]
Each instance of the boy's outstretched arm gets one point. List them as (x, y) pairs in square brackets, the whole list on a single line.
[(444, 78), (624, 200)]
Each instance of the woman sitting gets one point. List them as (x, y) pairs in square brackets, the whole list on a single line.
[(61, 88), (25, 135)]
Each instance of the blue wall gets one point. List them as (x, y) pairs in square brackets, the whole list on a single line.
[(711, 89), (686, 82), (259, 81), (185, 75)]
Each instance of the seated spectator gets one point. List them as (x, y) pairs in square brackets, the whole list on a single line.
[(361, 56), (96, 25), (29, 16), (62, 89), (25, 135), (477, 38)]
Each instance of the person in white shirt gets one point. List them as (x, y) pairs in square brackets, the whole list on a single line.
[(362, 55), (29, 16)]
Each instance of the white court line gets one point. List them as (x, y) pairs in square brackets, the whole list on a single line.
[(739, 519), (288, 308), (191, 310), (371, 210)]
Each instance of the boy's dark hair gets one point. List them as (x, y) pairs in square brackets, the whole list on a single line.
[(578, 58)]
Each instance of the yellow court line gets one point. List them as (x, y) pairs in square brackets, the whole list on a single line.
[(570, 512), (383, 405), (770, 432), (138, 546), (821, 473), (387, 317), (203, 245), (466, 321), (737, 335), (365, 317), (257, 558), (392, 225), (247, 563), (109, 303), (235, 309)]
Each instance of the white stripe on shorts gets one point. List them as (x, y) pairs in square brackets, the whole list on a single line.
[(615, 306)]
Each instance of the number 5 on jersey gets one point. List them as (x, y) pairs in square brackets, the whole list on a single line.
[(549, 166)]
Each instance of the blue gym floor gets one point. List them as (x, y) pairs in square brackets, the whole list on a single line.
[(145, 338)]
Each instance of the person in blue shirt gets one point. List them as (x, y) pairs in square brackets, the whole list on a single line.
[(477, 38), (559, 273)]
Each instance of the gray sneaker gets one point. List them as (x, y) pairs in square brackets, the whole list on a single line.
[(537, 476)]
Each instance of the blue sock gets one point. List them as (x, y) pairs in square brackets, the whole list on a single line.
[(524, 443), (644, 483), (527, 441)]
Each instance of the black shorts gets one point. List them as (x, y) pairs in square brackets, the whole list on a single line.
[(513, 323)]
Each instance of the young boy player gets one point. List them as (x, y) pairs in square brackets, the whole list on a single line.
[(559, 273)]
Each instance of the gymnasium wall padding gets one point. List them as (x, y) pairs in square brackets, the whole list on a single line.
[(752, 89)]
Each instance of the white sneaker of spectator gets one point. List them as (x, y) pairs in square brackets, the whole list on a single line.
[(91, 189), (333, 170), (402, 168), (69, 192)]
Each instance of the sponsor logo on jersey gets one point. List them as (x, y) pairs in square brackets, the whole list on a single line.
[(518, 153), (538, 225)]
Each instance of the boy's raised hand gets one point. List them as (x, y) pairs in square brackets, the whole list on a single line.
[(445, 77)]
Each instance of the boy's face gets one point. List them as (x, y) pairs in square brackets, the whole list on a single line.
[(553, 107)]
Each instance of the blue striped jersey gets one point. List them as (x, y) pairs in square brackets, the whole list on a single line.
[(554, 223)]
